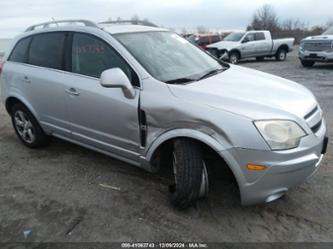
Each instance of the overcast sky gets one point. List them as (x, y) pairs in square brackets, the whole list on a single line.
[(16, 15)]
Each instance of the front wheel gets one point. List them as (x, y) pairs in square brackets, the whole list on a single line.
[(307, 64), (234, 57), (281, 55), (27, 128), (190, 174)]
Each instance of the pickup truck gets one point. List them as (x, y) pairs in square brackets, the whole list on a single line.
[(258, 44), (317, 49)]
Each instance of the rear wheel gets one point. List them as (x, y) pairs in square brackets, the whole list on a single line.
[(281, 54), (27, 128), (307, 63), (190, 174)]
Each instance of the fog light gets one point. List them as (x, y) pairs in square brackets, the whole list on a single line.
[(256, 167)]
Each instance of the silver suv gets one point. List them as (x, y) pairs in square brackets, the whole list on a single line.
[(147, 96)]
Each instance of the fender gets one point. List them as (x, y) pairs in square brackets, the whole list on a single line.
[(222, 148), (183, 132), (13, 94)]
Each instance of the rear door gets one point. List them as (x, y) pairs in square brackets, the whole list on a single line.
[(101, 117), (42, 77), (262, 45)]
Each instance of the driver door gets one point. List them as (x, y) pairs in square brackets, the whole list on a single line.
[(101, 117), (248, 45)]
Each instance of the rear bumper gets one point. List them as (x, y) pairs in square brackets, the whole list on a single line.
[(285, 169), (315, 56)]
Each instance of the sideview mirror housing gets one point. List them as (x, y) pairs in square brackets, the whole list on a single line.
[(245, 40), (116, 78)]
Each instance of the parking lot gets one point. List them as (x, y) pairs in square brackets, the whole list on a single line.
[(67, 193)]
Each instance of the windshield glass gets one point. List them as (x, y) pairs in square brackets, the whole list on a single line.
[(234, 36), (329, 32), (168, 57)]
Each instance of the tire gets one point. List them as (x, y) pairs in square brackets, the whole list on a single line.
[(234, 57), (27, 128), (307, 64), (261, 58), (281, 54), (188, 169)]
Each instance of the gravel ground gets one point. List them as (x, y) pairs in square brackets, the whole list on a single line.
[(56, 193)]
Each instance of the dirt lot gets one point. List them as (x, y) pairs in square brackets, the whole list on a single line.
[(55, 192)]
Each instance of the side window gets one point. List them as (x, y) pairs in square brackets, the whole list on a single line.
[(250, 37), (203, 41), (20, 51), (259, 36), (46, 50), (91, 56), (215, 38)]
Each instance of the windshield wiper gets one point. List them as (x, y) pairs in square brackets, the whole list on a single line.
[(211, 73), (180, 81)]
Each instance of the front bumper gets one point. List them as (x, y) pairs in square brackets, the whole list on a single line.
[(323, 56), (285, 169)]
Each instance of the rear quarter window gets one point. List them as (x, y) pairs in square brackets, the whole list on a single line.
[(20, 52), (46, 50)]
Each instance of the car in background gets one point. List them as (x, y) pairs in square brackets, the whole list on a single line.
[(317, 49), (258, 44), (203, 40)]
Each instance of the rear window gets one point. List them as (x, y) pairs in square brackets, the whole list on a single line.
[(20, 51), (46, 50)]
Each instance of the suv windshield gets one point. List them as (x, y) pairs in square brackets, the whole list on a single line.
[(234, 37), (329, 32), (168, 57)]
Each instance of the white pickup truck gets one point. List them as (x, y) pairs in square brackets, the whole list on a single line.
[(258, 44)]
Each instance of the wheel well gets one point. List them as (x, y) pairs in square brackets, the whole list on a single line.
[(235, 51), (285, 47), (162, 156), (10, 102)]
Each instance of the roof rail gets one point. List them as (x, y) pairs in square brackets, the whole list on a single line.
[(133, 22), (74, 21)]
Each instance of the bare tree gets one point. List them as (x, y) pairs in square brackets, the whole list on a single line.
[(265, 18), (184, 31), (202, 29), (135, 19), (329, 23)]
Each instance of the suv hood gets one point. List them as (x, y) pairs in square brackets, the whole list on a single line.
[(319, 37), (250, 93), (228, 45)]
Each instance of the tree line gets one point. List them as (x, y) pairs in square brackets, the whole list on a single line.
[(266, 18)]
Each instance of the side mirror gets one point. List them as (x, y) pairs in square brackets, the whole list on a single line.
[(116, 78), (245, 40)]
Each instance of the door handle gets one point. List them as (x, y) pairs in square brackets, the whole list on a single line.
[(72, 91), (26, 79)]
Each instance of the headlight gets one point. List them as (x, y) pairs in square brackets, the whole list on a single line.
[(280, 134)]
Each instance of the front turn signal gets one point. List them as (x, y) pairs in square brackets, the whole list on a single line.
[(256, 167)]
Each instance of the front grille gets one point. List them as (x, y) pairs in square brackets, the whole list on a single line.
[(314, 119), (317, 46)]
